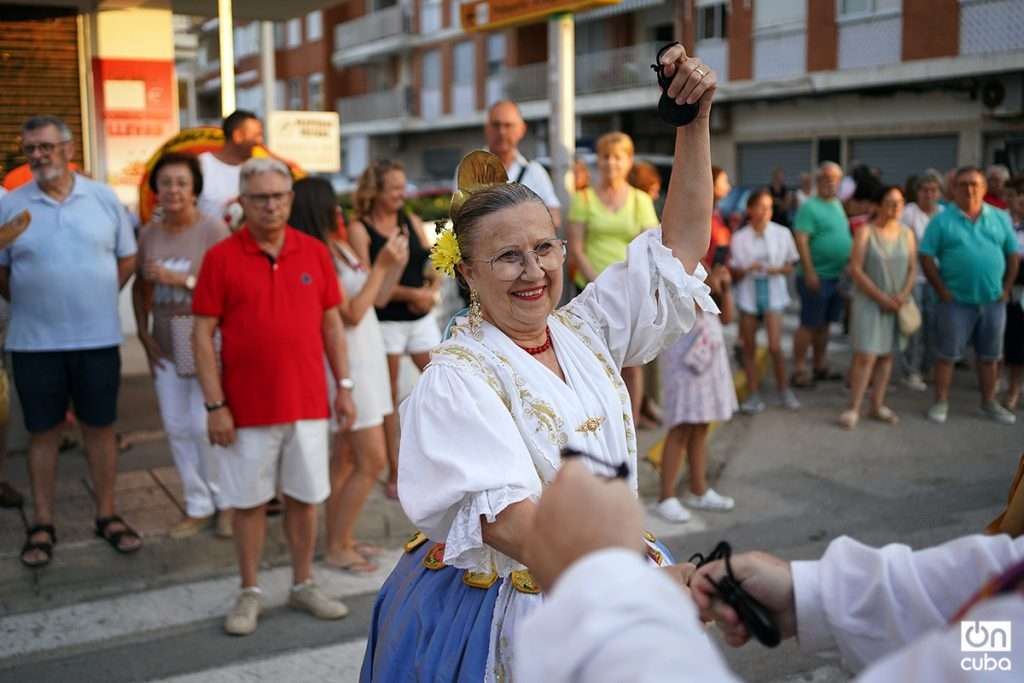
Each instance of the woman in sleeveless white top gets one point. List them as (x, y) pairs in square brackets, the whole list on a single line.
[(367, 362), (359, 454)]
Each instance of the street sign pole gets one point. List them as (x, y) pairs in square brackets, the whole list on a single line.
[(561, 95)]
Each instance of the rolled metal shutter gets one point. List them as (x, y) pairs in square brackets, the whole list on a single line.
[(899, 158), (757, 160), (38, 74)]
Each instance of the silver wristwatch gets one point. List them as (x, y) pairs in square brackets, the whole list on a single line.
[(346, 383)]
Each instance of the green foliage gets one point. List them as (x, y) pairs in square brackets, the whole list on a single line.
[(427, 207)]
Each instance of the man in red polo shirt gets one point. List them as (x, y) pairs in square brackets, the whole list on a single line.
[(273, 293)]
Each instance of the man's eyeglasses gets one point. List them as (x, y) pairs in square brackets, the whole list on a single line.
[(45, 147), (266, 198), (509, 264)]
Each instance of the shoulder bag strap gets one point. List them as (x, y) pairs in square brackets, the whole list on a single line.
[(522, 170)]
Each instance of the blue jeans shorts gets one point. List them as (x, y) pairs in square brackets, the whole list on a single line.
[(822, 307), (980, 325)]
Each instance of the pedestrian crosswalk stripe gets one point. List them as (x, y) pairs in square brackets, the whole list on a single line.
[(332, 663), (135, 613)]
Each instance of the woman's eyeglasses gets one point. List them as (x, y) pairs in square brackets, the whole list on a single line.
[(509, 264)]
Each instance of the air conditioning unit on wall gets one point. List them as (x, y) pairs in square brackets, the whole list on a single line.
[(1003, 96)]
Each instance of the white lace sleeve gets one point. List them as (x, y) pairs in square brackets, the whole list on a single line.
[(461, 460), (643, 304)]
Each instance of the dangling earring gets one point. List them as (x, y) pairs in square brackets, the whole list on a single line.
[(475, 316)]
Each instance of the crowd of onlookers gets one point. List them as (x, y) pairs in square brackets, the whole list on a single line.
[(916, 274), (275, 349)]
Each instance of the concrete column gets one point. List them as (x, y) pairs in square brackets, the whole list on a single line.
[(268, 73), (226, 35)]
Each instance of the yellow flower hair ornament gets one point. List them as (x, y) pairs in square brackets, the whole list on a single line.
[(445, 254)]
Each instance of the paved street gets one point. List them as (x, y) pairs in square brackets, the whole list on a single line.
[(799, 481)]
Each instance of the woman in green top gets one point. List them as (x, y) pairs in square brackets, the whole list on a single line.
[(603, 220)]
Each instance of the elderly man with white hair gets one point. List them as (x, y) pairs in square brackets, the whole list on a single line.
[(997, 176), (272, 293)]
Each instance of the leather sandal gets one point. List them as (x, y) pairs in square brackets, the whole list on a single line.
[(45, 547), (114, 538)]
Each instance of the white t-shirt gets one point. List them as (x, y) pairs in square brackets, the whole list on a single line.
[(917, 220), (774, 249), (535, 178), (220, 185)]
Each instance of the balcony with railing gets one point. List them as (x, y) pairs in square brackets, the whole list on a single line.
[(524, 83), (991, 26), (369, 35), (619, 69), (382, 105)]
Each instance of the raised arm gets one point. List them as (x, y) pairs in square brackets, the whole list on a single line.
[(686, 219)]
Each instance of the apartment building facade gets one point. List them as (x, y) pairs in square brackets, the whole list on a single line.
[(897, 84)]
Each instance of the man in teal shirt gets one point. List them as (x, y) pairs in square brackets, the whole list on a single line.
[(976, 250), (823, 241)]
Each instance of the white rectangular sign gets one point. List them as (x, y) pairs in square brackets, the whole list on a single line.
[(312, 139)]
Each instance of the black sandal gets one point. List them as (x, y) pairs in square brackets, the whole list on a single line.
[(114, 538), (827, 375), (45, 547)]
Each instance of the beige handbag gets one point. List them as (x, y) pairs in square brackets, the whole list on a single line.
[(181, 345), (908, 318)]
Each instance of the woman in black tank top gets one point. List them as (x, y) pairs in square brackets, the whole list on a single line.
[(406, 326), (412, 276)]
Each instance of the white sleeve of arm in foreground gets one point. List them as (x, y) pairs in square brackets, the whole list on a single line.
[(610, 618), (936, 657), (869, 602)]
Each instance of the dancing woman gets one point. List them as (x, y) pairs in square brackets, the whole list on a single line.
[(518, 382)]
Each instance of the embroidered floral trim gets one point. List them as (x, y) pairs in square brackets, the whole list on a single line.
[(591, 425), (545, 415), (463, 355), (579, 328)]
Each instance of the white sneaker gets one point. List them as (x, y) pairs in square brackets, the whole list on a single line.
[(242, 619), (753, 405), (998, 413), (915, 383), (308, 597), (789, 400), (672, 510), (939, 412), (711, 500)]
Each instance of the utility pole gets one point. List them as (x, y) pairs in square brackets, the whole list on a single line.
[(562, 96)]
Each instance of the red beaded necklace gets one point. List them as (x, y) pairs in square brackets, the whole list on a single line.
[(537, 350)]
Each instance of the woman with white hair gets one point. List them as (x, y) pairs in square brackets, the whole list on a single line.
[(916, 359)]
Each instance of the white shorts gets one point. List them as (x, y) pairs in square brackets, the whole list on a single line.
[(412, 336), (294, 455)]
